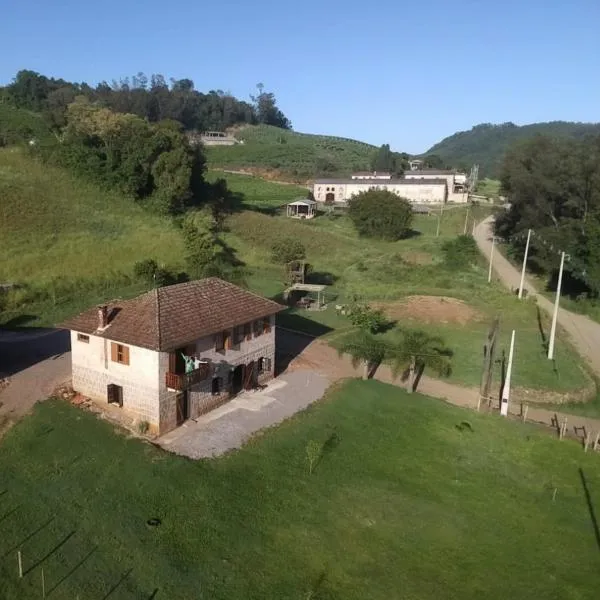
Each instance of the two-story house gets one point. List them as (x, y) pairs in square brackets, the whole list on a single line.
[(176, 352)]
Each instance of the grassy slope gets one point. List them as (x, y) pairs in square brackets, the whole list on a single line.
[(486, 144), (55, 226), (376, 270), (405, 506), (297, 154)]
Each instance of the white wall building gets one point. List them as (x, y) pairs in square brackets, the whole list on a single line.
[(133, 353), (371, 175), (419, 191), (456, 182)]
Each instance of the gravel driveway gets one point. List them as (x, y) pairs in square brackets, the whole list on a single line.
[(231, 425)]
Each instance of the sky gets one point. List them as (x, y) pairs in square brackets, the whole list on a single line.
[(387, 71)]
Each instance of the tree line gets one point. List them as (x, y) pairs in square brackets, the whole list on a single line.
[(151, 98), (553, 184)]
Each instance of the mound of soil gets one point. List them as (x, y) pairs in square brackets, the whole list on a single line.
[(431, 309)]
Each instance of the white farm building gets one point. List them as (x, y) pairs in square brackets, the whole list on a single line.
[(421, 187)]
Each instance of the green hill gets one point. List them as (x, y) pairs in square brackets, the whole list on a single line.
[(18, 125), (63, 239), (299, 155), (486, 144)]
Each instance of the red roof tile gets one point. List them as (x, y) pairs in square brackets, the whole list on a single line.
[(170, 317)]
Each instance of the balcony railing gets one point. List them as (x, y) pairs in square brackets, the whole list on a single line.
[(185, 381)]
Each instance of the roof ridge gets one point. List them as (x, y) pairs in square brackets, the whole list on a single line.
[(157, 293)]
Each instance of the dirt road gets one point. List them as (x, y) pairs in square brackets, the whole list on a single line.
[(583, 332)]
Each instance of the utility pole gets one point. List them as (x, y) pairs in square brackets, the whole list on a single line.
[(524, 264), (466, 219), (437, 232), (506, 388), (491, 259), (555, 313)]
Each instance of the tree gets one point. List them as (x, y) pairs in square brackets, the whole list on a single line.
[(368, 319), (381, 214), (286, 251), (383, 160), (267, 111), (416, 351), (202, 249), (365, 349)]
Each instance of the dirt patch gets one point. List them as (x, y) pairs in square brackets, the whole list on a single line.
[(431, 309)]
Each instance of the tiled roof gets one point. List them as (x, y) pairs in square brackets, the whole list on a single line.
[(421, 172), (376, 182), (170, 317)]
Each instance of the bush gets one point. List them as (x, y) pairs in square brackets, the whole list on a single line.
[(367, 318), (285, 251), (145, 269), (381, 214), (460, 253)]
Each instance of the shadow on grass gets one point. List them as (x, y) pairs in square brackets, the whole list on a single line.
[(541, 329), (79, 564), (28, 537), (590, 505), (9, 513), (125, 575), (38, 562)]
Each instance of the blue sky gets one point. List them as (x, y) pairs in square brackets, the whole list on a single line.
[(382, 72)]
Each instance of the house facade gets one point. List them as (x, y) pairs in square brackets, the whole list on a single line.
[(174, 353), (419, 191), (456, 183)]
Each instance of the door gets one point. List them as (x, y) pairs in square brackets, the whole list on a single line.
[(114, 394), (237, 380), (182, 407), (249, 376)]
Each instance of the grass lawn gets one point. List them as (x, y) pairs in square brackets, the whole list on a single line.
[(404, 505), (295, 155)]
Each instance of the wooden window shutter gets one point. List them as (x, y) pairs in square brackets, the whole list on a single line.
[(266, 325), (219, 342), (267, 365), (227, 337), (125, 355), (113, 352), (111, 393), (172, 362), (248, 331)]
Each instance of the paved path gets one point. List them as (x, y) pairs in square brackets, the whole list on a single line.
[(33, 364), (583, 332), (232, 424)]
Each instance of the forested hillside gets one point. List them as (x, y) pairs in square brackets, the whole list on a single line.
[(486, 144)]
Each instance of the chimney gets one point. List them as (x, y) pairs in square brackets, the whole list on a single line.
[(102, 316)]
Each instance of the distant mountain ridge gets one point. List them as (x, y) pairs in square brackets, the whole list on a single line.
[(485, 144)]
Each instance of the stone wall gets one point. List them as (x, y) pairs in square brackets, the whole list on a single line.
[(93, 370)]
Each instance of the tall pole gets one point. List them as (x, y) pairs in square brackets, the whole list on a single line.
[(506, 388), (437, 231), (555, 313), (491, 259), (466, 220), (524, 264)]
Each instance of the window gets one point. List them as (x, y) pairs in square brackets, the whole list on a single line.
[(83, 338), (219, 342), (267, 325), (238, 334), (264, 365), (248, 331), (257, 328), (119, 353)]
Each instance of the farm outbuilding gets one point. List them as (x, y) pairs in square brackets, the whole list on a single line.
[(302, 209)]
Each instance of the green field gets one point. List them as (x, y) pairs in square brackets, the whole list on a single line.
[(299, 155), (402, 505)]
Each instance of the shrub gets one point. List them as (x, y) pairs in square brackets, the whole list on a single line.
[(314, 450), (460, 253), (285, 251), (145, 269), (381, 214), (368, 319), (143, 427)]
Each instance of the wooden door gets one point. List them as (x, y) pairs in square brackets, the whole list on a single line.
[(182, 408), (249, 376)]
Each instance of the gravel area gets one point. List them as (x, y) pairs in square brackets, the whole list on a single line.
[(232, 424)]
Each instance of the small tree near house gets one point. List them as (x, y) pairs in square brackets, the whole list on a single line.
[(419, 350), (366, 350)]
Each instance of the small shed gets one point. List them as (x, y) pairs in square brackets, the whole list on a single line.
[(311, 296), (302, 209)]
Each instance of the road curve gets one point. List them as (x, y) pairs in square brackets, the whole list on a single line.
[(583, 332)]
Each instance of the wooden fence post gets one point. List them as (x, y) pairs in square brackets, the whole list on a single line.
[(563, 429), (524, 412), (595, 446), (20, 561), (588, 439)]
